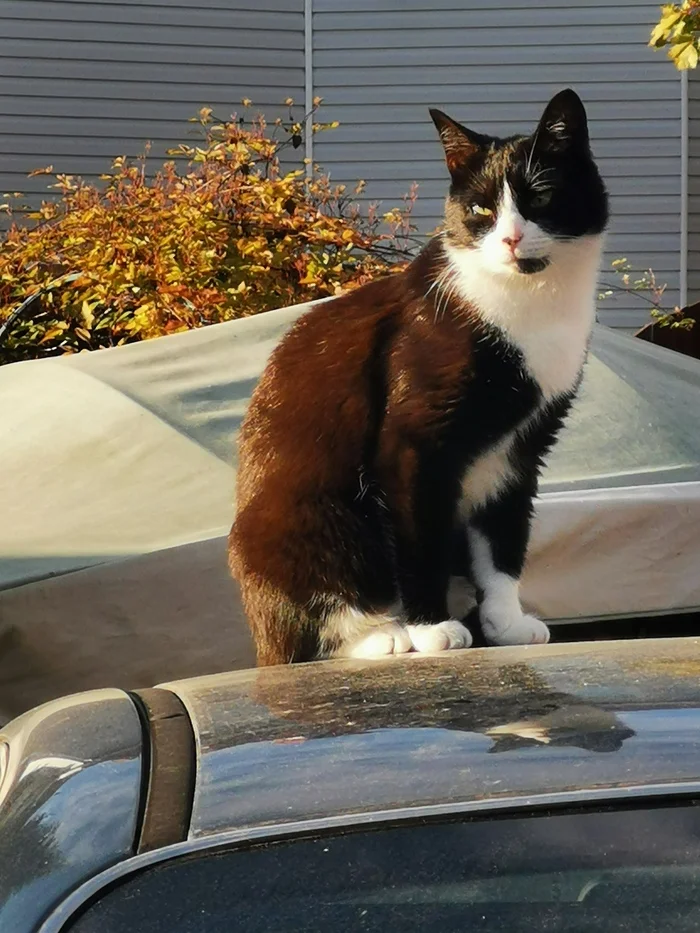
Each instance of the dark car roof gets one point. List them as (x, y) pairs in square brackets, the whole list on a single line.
[(319, 740)]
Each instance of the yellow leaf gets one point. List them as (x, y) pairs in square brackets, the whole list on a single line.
[(685, 56), (670, 16), (53, 332), (86, 312)]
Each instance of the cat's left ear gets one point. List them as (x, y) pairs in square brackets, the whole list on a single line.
[(564, 126), (459, 143)]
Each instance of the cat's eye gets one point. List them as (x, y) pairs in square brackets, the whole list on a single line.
[(481, 211), (540, 199)]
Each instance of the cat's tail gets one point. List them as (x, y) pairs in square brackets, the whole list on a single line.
[(306, 609), (284, 632), (326, 627), (281, 633)]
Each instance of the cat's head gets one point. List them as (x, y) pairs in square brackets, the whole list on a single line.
[(515, 200)]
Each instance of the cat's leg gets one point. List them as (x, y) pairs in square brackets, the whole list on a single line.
[(423, 519), (498, 534), (362, 618), (318, 581)]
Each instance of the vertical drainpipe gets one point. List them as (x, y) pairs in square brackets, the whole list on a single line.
[(684, 189), (308, 83)]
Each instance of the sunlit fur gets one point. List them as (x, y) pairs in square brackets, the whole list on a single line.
[(396, 436)]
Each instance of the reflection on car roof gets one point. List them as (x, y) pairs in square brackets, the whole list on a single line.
[(317, 740)]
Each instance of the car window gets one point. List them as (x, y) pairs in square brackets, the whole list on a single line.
[(633, 870)]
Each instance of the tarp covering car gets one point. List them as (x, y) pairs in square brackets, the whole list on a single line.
[(117, 476)]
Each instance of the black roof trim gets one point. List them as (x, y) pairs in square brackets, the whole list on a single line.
[(168, 771)]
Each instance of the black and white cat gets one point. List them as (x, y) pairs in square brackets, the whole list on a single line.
[(397, 434)]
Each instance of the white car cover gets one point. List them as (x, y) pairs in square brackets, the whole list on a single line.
[(117, 476)]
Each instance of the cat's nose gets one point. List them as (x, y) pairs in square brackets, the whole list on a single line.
[(513, 239)]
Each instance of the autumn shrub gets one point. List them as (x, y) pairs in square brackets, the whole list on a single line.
[(678, 31), (222, 231)]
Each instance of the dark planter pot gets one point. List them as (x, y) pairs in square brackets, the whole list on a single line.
[(676, 338)]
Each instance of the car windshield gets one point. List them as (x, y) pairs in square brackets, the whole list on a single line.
[(632, 870)]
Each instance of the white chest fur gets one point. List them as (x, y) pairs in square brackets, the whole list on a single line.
[(488, 475), (548, 317)]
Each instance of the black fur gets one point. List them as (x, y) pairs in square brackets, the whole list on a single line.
[(374, 406)]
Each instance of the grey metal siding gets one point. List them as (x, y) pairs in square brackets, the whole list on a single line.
[(693, 186), (82, 81), (382, 63)]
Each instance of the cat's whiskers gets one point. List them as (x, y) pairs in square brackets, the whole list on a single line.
[(541, 181), (435, 283), (435, 287), (443, 296), (538, 177), (447, 282), (453, 286), (532, 150)]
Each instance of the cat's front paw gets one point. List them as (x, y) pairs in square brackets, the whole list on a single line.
[(441, 636), (505, 629), (381, 641)]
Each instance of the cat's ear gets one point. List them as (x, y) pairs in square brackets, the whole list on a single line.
[(459, 143), (563, 126)]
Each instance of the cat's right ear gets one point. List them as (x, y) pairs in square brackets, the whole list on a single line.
[(459, 143)]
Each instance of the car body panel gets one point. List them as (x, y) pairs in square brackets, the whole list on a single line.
[(70, 788), (320, 747), (319, 740)]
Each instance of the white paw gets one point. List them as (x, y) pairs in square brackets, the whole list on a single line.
[(384, 640), (442, 636), (523, 630)]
